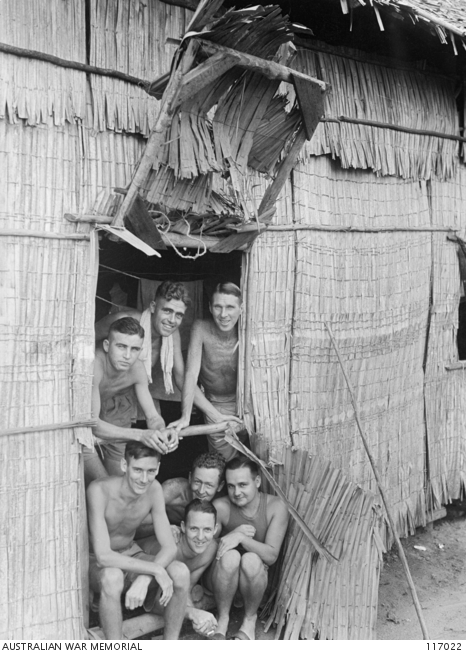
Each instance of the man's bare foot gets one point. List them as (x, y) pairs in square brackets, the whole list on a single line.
[(247, 631)]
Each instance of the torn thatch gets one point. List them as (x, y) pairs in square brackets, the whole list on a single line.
[(214, 131), (314, 596)]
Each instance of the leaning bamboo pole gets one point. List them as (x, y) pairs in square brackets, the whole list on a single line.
[(402, 555)]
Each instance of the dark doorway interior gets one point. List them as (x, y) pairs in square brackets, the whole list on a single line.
[(120, 269)]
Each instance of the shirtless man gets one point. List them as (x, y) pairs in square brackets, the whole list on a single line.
[(196, 548), (119, 378), (161, 351), (253, 528), (204, 482), (213, 360), (116, 507)]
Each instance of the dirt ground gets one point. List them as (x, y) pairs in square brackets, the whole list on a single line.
[(439, 575)]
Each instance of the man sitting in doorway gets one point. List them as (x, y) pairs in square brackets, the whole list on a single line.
[(213, 360), (253, 528), (120, 378), (116, 507), (196, 548), (204, 482), (161, 350)]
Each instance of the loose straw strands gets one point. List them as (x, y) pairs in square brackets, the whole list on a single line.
[(314, 596), (196, 144), (404, 98), (130, 37)]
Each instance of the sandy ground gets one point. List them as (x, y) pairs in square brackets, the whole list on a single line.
[(439, 575)]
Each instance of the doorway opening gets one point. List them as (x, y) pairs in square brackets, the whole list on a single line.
[(128, 279)]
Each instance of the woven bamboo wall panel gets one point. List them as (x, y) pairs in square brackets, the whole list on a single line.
[(46, 340), (405, 98), (272, 266), (445, 389), (52, 170), (374, 292), (327, 195), (131, 37), (448, 201), (54, 27), (39, 286), (41, 176), (39, 564)]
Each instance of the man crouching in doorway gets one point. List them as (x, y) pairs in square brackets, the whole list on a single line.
[(116, 507), (196, 548), (253, 528)]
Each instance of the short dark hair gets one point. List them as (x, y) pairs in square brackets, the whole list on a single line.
[(228, 288), (137, 450), (242, 461), (210, 460), (126, 325), (200, 506), (173, 291)]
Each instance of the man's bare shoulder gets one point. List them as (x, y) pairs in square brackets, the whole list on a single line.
[(99, 359), (175, 490), (106, 487), (201, 327), (276, 507), (222, 504)]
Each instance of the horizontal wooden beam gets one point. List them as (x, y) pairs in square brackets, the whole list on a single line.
[(270, 69), (395, 128), (363, 230), (88, 218), (29, 233), (67, 63)]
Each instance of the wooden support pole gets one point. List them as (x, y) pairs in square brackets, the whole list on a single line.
[(156, 139), (198, 78), (401, 553), (270, 69)]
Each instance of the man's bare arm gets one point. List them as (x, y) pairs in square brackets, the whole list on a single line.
[(102, 429), (270, 549), (192, 394), (100, 539)]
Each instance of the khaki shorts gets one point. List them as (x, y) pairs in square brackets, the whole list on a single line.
[(95, 569)]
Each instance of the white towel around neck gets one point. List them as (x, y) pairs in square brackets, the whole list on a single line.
[(166, 353)]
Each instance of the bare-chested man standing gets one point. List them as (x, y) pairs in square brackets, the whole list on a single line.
[(213, 360), (120, 378), (116, 508)]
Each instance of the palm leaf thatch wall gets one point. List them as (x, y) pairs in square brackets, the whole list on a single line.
[(390, 290), (64, 137)]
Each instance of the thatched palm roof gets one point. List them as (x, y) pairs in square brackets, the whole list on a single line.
[(444, 15)]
